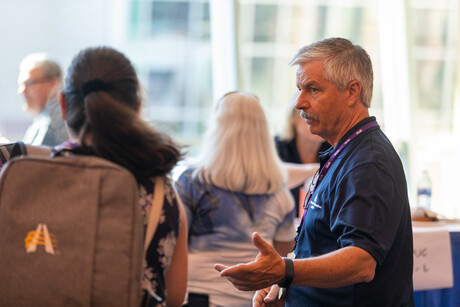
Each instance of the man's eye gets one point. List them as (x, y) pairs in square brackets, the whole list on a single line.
[(314, 90)]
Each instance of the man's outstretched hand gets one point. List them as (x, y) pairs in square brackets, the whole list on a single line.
[(267, 269)]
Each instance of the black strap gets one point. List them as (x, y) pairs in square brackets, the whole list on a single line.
[(19, 149), (11, 150), (87, 151), (2, 158), (289, 273)]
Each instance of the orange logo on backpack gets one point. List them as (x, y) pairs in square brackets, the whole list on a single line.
[(40, 236)]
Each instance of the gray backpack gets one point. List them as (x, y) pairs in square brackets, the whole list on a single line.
[(70, 233)]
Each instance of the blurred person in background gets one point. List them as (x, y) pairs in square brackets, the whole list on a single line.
[(39, 81), (236, 187), (299, 149)]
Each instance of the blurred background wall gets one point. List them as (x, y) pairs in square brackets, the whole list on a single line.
[(190, 52)]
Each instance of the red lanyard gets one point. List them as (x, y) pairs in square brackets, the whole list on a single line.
[(328, 164)]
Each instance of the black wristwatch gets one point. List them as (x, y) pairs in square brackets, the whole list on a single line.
[(289, 274)]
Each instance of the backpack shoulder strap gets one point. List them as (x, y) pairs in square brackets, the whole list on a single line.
[(4, 155), (19, 149), (155, 211), (10, 150)]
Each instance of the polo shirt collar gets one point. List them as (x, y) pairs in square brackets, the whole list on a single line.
[(325, 155), (359, 125)]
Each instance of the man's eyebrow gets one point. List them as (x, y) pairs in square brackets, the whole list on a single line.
[(309, 83)]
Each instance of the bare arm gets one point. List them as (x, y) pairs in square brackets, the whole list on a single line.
[(343, 267), (346, 266), (176, 278)]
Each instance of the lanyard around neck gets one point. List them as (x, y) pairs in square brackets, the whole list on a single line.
[(329, 162)]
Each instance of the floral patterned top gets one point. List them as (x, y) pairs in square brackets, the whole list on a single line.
[(160, 250)]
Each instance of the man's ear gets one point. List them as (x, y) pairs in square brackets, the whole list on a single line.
[(63, 103), (354, 92)]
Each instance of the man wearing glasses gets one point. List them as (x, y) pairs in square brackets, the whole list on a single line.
[(39, 81), (354, 244)]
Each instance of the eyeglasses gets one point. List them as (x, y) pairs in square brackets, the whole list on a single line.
[(31, 82), (311, 188)]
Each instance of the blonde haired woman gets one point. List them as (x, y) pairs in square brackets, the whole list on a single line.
[(237, 187)]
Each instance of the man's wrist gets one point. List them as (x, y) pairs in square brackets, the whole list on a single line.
[(289, 273)]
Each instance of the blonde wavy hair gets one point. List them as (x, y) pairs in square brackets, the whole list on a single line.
[(238, 152)]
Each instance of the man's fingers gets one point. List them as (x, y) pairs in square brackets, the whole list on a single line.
[(272, 296), (261, 245), (241, 284), (239, 270), (258, 299), (266, 297), (220, 267)]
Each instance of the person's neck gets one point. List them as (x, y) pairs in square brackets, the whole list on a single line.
[(346, 126), (36, 111)]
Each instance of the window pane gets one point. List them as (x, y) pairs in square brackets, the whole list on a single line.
[(429, 82), (161, 87), (263, 75), (430, 27), (170, 45), (265, 23), (170, 18)]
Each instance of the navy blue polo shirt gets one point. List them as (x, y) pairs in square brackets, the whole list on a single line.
[(362, 201)]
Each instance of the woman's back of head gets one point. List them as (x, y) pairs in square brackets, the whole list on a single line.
[(102, 95), (238, 151)]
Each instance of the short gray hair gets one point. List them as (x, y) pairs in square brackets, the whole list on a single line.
[(343, 62), (49, 68)]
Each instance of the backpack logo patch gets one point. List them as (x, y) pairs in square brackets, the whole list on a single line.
[(40, 236)]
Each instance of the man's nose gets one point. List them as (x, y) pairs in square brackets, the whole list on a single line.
[(301, 102)]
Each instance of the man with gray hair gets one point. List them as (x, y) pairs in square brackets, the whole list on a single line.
[(40, 81), (354, 243)]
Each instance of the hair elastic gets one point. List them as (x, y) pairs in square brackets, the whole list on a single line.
[(94, 86)]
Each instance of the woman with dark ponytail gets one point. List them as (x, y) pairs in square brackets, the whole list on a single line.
[(100, 103)]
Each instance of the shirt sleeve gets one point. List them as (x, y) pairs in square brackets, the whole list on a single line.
[(369, 213)]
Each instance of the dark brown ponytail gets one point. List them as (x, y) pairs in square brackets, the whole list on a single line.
[(102, 93)]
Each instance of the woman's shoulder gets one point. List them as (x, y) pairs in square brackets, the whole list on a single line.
[(170, 192), (190, 186), (191, 179), (188, 172), (147, 188)]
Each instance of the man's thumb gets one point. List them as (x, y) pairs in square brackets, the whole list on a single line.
[(261, 245)]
